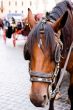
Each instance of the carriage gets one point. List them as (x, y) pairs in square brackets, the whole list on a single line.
[(14, 27)]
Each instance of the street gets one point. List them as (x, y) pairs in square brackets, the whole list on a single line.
[(15, 80)]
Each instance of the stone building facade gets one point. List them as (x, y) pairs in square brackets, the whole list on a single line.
[(21, 6)]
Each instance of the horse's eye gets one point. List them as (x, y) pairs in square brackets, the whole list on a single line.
[(27, 55)]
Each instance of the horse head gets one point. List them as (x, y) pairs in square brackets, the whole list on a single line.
[(43, 49)]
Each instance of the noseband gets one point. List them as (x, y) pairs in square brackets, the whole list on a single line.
[(49, 77)]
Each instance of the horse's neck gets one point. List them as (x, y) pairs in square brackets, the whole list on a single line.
[(67, 35)]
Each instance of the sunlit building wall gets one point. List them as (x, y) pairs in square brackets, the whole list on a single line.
[(13, 6), (21, 6)]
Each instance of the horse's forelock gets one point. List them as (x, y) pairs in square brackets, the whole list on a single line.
[(48, 34)]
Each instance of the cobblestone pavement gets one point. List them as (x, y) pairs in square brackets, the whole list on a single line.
[(15, 83)]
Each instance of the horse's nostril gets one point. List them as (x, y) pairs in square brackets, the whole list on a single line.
[(44, 97), (45, 100)]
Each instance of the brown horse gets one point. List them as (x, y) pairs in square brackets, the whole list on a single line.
[(47, 48)]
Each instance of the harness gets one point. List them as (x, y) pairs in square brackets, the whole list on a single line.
[(63, 70), (51, 77)]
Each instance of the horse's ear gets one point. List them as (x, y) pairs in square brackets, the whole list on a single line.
[(31, 19), (59, 24)]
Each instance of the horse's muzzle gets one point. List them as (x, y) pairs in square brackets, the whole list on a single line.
[(39, 100)]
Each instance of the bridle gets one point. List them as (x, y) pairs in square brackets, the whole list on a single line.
[(49, 78)]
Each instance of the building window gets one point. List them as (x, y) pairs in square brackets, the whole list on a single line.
[(30, 3), (22, 3), (1, 8), (9, 3), (15, 3), (22, 11), (15, 11)]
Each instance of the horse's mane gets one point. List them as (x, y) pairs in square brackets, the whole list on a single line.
[(57, 11)]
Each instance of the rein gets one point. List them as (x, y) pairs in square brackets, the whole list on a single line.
[(63, 70)]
